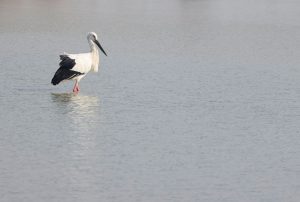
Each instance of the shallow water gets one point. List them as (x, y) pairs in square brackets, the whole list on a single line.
[(198, 100)]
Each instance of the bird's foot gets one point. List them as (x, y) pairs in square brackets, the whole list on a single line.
[(76, 89)]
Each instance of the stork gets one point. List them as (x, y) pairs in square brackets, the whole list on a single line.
[(76, 66)]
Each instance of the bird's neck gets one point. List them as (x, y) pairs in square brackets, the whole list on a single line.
[(93, 46), (95, 57), (94, 49)]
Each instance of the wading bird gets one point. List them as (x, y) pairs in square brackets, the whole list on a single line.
[(76, 66)]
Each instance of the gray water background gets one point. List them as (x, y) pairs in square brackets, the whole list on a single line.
[(198, 100)]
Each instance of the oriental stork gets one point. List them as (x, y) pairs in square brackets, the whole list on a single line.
[(76, 66)]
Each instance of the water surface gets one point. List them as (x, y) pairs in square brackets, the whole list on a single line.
[(198, 100)]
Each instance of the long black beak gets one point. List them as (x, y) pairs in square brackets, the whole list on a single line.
[(98, 44)]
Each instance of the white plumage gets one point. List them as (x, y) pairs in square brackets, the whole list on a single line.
[(76, 66)]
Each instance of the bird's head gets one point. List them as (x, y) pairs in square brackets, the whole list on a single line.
[(92, 36)]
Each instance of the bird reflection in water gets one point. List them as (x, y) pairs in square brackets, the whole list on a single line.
[(80, 116), (82, 110)]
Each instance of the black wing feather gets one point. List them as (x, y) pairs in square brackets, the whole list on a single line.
[(64, 72), (66, 62)]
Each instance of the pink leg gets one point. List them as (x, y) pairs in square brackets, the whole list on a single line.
[(76, 88)]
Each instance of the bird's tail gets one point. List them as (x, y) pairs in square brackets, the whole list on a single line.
[(57, 77), (64, 74), (54, 82)]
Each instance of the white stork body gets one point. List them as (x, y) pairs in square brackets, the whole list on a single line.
[(76, 66)]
